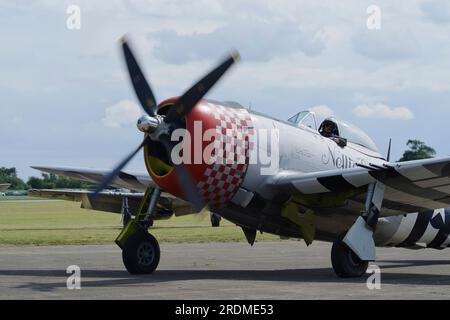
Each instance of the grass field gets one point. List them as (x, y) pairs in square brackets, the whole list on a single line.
[(63, 222), (16, 198)]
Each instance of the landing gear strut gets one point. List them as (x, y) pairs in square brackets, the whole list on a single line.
[(126, 214), (140, 250)]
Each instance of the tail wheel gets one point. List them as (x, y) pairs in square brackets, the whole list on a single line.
[(141, 253), (345, 262)]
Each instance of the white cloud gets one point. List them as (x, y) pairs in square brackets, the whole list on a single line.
[(364, 98), (391, 44), (437, 11), (17, 120), (382, 111), (122, 113), (322, 111), (293, 52), (259, 41)]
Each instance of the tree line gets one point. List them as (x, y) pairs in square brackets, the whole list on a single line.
[(416, 150)]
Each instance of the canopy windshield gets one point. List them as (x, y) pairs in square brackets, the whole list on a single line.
[(355, 135)]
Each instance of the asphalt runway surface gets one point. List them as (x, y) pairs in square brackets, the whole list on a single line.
[(268, 270)]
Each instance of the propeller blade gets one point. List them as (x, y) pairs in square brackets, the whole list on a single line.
[(140, 85), (191, 97), (110, 177), (184, 179)]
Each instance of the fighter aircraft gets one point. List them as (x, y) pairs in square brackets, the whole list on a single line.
[(326, 182)]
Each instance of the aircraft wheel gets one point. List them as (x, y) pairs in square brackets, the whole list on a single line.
[(141, 253), (215, 220), (345, 262)]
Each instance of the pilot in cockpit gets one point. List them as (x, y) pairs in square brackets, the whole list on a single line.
[(329, 129)]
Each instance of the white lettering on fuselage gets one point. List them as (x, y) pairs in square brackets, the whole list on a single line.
[(338, 159)]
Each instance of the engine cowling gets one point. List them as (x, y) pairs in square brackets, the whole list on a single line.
[(218, 140)]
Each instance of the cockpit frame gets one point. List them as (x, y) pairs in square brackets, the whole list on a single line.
[(349, 132), (302, 117)]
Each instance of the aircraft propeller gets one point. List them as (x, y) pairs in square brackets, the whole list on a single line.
[(158, 127)]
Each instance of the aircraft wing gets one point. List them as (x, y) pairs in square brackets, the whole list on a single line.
[(111, 201), (135, 181), (411, 186), (106, 201)]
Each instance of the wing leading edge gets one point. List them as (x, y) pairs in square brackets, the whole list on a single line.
[(410, 186), (135, 181), (111, 201)]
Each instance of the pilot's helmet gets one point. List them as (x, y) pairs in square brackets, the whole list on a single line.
[(329, 123)]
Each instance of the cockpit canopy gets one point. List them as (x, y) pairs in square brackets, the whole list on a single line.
[(305, 118), (345, 130)]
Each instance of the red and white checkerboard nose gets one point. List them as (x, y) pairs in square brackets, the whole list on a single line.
[(226, 140)]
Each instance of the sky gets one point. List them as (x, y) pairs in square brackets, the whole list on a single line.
[(65, 97)]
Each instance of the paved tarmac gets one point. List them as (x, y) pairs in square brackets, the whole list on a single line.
[(268, 270)]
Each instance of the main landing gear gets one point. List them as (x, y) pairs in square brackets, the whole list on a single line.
[(345, 262), (140, 253), (140, 250), (352, 250)]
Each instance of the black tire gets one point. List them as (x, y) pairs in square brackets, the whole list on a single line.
[(345, 262), (215, 220), (141, 253)]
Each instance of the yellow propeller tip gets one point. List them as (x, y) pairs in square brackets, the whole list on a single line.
[(235, 55), (123, 40)]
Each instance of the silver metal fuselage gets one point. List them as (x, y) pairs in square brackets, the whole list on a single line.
[(301, 149)]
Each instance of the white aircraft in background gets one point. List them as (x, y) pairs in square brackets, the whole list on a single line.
[(330, 183)]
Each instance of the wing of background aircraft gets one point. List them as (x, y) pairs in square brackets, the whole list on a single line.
[(411, 186), (107, 201), (110, 201), (135, 181)]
